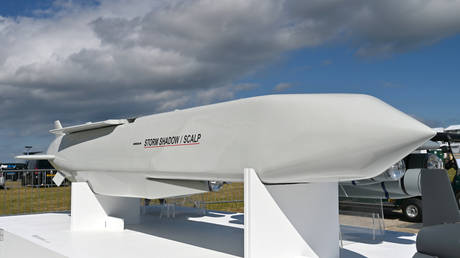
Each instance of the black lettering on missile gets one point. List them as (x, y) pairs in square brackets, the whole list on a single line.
[(170, 141), (191, 138)]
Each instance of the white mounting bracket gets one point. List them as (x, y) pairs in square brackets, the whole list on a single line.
[(290, 220), (90, 211)]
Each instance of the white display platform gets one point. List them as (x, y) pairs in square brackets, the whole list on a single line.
[(394, 244), (91, 212), (189, 234)]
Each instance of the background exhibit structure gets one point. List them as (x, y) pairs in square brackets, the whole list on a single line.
[(280, 137)]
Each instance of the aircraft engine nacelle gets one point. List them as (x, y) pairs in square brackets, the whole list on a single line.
[(407, 186)]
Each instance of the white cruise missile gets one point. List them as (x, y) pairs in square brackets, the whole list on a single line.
[(285, 138)]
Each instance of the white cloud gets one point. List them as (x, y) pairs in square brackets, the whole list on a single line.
[(171, 45), (86, 62), (282, 86)]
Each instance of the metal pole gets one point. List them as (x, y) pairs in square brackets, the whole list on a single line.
[(24, 193), (18, 189), (383, 217), (31, 195), (4, 201), (38, 189)]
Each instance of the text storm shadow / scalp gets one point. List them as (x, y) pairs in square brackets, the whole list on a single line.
[(187, 139)]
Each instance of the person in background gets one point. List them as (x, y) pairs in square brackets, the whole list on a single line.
[(451, 166)]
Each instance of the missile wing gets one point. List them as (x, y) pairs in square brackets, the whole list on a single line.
[(281, 136), (88, 126)]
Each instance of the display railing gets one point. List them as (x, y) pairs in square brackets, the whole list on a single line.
[(32, 191)]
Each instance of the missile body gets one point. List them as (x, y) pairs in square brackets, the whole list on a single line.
[(285, 138)]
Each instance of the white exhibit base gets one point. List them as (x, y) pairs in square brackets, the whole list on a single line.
[(290, 220), (189, 235), (90, 211), (303, 217)]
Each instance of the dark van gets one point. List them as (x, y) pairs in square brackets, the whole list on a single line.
[(40, 173)]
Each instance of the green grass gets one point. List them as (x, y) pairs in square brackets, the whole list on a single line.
[(17, 199), (220, 200)]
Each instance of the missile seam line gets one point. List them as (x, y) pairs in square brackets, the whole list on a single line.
[(148, 147)]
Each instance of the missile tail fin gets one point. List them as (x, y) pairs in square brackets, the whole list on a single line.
[(57, 125)]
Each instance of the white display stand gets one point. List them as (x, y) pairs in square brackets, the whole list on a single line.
[(303, 217), (293, 220), (90, 211), (290, 220), (189, 235)]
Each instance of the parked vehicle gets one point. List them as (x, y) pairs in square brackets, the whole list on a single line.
[(40, 173), (9, 170)]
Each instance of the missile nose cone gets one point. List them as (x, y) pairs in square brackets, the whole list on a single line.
[(402, 128), (345, 137), (420, 133), (393, 135)]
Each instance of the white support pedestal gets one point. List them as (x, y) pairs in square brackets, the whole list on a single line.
[(90, 211), (290, 220)]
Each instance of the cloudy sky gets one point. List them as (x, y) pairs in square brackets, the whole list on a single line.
[(92, 60)]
